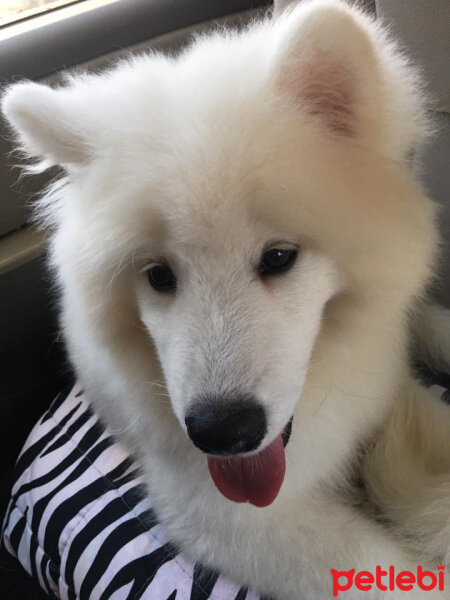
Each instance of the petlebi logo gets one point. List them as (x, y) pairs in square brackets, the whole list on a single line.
[(389, 579)]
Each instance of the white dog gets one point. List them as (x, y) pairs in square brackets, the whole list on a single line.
[(239, 231)]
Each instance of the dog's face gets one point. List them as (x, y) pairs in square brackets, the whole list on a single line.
[(214, 204), (233, 307)]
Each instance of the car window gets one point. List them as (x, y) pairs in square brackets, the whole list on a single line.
[(16, 10)]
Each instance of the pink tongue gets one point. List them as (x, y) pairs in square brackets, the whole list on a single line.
[(256, 479)]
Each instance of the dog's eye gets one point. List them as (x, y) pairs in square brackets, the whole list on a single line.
[(276, 261), (161, 278)]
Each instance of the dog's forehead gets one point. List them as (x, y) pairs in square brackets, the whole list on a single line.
[(206, 195), (210, 224)]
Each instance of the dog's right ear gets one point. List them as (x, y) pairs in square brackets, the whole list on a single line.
[(48, 123)]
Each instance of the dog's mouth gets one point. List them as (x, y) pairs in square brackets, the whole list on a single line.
[(257, 478)]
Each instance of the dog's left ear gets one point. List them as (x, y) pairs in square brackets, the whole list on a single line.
[(339, 69)]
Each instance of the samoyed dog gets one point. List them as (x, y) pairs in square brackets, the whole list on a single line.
[(240, 242)]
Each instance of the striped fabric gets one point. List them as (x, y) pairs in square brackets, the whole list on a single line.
[(80, 522)]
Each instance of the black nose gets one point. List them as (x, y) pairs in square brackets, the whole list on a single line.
[(226, 427)]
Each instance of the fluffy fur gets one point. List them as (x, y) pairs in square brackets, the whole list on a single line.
[(296, 130)]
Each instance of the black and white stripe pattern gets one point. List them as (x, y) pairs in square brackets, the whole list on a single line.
[(81, 525)]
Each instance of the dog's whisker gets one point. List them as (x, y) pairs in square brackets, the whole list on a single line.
[(125, 429), (117, 271)]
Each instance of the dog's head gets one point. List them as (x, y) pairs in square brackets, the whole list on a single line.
[(215, 203)]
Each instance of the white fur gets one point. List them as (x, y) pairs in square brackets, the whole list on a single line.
[(296, 130)]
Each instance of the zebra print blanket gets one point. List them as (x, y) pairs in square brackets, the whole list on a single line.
[(80, 523)]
